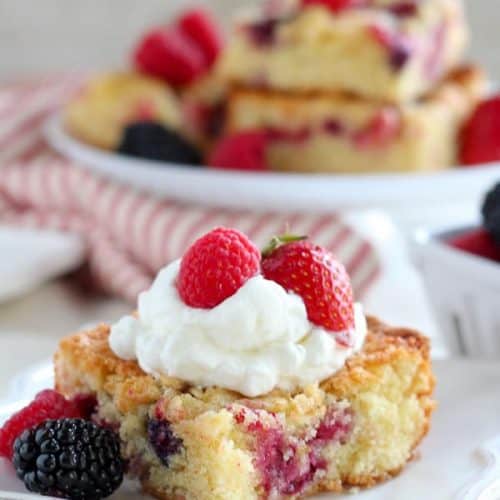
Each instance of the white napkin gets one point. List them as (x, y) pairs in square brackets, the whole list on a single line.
[(28, 258)]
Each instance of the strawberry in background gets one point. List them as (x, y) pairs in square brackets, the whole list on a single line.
[(181, 52)]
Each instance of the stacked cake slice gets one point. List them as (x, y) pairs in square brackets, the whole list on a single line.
[(354, 85)]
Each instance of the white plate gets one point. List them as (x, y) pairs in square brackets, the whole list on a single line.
[(417, 195), (459, 460)]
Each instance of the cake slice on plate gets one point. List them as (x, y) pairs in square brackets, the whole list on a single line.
[(248, 377)]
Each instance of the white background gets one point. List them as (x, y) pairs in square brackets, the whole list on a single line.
[(43, 35)]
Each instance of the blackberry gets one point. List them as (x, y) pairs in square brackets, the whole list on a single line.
[(164, 442), (153, 141), (491, 213), (69, 458)]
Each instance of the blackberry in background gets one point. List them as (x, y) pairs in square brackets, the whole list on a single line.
[(153, 141)]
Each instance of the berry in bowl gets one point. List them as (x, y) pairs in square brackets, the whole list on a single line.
[(461, 271)]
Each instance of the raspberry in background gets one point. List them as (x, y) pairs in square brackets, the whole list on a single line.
[(481, 135), (215, 267), (182, 52), (200, 26), (241, 151), (314, 274), (168, 54), (47, 405)]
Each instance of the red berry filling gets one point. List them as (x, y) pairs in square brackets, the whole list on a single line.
[(380, 131), (399, 46), (404, 9), (47, 405), (263, 33), (247, 150), (294, 136), (289, 464), (163, 440), (336, 6)]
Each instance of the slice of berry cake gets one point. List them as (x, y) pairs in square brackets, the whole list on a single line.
[(247, 376), (379, 49), (109, 102), (334, 132)]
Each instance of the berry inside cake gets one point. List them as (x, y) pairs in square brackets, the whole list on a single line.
[(248, 375)]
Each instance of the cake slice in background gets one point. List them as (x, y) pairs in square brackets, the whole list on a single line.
[(385, 50), (335, 132)]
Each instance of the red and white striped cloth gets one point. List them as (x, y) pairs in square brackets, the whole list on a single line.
[(130, 235)]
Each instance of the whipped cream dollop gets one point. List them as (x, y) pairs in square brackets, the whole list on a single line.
[(256, 340)]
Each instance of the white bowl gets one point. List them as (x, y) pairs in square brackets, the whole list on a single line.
[(411, 199), (464, 291)]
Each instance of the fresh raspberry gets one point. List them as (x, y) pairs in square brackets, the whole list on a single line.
[(480, 137), (167, 53), (201, 28), (86, 405), (215, 267), (241, 151), (380, 131), (478, 242), (47, 405), (336, 5), (318, 278)]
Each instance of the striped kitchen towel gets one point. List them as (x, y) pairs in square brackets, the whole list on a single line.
[(129, 235)]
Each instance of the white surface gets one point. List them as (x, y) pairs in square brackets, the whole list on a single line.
[(459, 460), (29, 258), (409, 198), (398, 296), (30, 327), (465, 292)]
